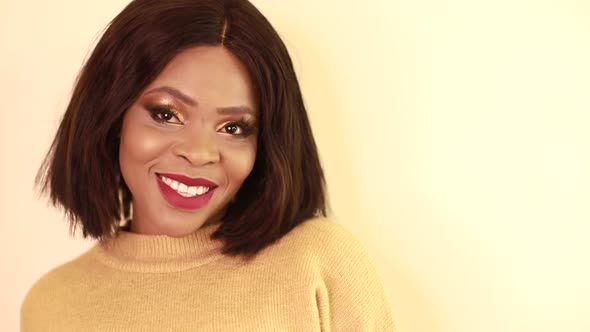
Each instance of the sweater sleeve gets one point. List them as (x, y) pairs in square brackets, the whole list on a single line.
[(352, 296)]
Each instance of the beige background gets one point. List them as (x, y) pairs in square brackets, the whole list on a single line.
[(454, 135)]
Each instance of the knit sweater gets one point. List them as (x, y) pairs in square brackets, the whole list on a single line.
[(318, 277)]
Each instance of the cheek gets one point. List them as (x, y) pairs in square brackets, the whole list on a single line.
[(139, 145), (240, 163)]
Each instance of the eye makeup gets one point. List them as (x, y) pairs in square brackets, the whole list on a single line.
[(244, 126), (164, 113)]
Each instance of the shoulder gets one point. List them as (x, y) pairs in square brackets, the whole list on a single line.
[(349, 291), (329, 235), (327, 242), (326, 250), (321, 226), (49, 291), (63, 273)]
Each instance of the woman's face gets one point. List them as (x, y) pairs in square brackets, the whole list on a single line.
[(189, 142)]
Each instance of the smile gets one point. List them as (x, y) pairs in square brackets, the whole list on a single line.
[(183, 189), (184, 192)]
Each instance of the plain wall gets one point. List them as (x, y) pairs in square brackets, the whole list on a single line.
[(454, 135)]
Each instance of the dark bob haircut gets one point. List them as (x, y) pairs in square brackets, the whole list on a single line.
[(81, 169)]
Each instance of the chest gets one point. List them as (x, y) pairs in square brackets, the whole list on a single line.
[(256, 301)]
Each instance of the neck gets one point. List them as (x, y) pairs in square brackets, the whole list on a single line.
[(160, 253)]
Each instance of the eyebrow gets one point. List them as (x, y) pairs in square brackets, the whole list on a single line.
[(230, 110), (235, 110), (176, 93)]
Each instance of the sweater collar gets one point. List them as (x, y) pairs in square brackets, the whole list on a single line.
[(160, 253)]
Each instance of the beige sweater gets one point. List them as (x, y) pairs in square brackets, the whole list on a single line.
[(318, 277)]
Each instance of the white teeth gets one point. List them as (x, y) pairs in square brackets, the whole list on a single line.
[(192, 190), (183, 189)]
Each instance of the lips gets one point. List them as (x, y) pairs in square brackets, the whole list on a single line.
[(181, 202), (189, 181)]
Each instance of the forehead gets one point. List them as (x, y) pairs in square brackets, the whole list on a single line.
[(211, 75)]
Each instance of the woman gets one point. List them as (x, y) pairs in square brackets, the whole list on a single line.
[(187, 152)]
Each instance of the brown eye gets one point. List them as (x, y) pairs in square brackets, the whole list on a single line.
[(163, 114), (166, 116), (233, 129), (239, 128)]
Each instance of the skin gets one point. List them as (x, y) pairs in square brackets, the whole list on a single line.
[(199, 141)]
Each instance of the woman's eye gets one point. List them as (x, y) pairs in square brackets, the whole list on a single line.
[(233, 129), (164, 115), (238, 128)]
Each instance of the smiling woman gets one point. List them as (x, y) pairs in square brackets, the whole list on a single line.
[(186, 151), (189, 142)]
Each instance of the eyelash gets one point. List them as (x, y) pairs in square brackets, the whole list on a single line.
[(247, 128), (157, 110)]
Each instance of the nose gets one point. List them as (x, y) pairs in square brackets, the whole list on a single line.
[(197, 146)]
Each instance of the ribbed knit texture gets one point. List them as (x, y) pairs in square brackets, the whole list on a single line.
[(318, 277)]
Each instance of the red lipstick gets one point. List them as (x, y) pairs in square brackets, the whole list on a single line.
[(181, 202), (189, 181)]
